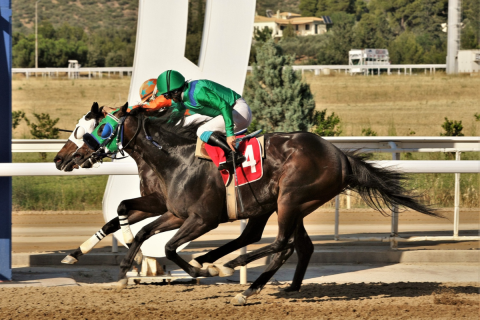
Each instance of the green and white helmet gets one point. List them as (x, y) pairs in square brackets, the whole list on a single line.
[(168, 81)]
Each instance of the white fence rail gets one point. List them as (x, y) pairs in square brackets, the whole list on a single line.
[(317, 69), (394, 145)]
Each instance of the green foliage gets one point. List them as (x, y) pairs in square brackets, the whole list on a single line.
[(337, 42), (452, 128), (477, 116), (405, 49), (194, 29), (289, 32), (368, 132), (308, 8), (279, 99), (17, 116), (262, 35), (326, 126), (45, 129)]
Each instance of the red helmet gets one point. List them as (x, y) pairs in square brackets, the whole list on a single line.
[(147, 88)]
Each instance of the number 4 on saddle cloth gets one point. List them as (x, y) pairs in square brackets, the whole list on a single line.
[(251, 170)]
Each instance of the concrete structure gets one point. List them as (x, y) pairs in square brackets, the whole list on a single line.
[(303, 26), (468, 61), (5, 142)]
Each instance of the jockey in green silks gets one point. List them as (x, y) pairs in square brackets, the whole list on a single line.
[(224, 110)]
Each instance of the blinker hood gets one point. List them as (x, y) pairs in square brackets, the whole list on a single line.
[(104, 137)]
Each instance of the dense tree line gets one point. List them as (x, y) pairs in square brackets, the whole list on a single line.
[(410, 29), (101, 48)]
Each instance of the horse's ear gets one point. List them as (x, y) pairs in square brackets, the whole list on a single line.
[(124, 108), (94, 109)]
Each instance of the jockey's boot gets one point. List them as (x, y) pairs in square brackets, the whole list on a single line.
[(219, 141)]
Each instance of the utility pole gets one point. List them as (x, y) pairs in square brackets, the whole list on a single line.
[(36, 34)]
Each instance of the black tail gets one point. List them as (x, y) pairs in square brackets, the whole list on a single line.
[(381, 187)]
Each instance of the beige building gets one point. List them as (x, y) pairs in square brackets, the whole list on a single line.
[(303, 26)]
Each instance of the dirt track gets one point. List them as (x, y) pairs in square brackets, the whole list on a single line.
[(315, 301)]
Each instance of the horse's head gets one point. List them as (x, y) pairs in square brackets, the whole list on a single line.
[(102, 140), (64, 160)]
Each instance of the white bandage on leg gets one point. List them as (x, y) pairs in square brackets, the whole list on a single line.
[(88, 245), (127, 233)]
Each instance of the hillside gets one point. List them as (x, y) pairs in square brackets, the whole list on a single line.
[(97, 14)]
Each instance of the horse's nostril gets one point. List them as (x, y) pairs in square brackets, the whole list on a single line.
[(76, 155), (57, 159)]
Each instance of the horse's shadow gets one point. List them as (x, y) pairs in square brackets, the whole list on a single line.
[(314, 292)]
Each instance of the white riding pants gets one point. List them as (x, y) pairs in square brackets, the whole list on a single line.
[(242, 117)]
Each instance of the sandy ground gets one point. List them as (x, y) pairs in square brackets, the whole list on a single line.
[(412, 300)]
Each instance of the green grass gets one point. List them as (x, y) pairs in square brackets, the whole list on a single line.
[(58, 193)]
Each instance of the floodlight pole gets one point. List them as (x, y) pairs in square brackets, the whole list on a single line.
[(453, 35), (6, 141)]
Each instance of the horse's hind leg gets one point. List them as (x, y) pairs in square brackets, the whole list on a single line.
[(304, 248), (135, 210), (252, 233), (278, 260)]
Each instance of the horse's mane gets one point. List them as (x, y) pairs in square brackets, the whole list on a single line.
[(171, 122)]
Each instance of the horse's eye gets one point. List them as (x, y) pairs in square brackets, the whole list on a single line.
[(79, 132)]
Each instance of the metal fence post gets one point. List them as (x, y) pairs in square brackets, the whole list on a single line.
[(243, 269), (456, 213), (337, 216), (394, 226)]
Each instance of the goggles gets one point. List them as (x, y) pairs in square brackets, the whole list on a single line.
[(103, 135)]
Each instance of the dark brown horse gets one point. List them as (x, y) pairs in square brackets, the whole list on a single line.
[(151, 203), (302, 171)]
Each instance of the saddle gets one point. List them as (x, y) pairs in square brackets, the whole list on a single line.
[(250, 171)]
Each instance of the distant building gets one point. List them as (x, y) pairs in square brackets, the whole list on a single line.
[(303, 26)]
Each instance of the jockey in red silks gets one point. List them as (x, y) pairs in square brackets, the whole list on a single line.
[(224, 110)]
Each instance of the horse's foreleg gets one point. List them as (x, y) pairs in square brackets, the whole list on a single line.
[(110, 227), (136, 210), (304, 248), (278, 260), (133, 210), (252, 233), (164, 223), (192, 228)]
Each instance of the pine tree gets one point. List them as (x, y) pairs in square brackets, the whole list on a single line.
[(279, 99)]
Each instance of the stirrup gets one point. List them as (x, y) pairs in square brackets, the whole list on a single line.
[(228, 164)]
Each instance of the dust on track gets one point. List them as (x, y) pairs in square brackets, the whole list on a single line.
[(188, 301)]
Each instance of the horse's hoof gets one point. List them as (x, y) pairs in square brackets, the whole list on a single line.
[(239, 300), (69, 260), (121, 284), (212, 271), (225, 271), (291, 289), (195, 263)]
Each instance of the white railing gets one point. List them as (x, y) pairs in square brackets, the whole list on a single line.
[(101, 71), (74, 72), (394, 145), (368, 69)]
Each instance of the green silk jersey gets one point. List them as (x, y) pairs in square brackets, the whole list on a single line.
[(210, 99)]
